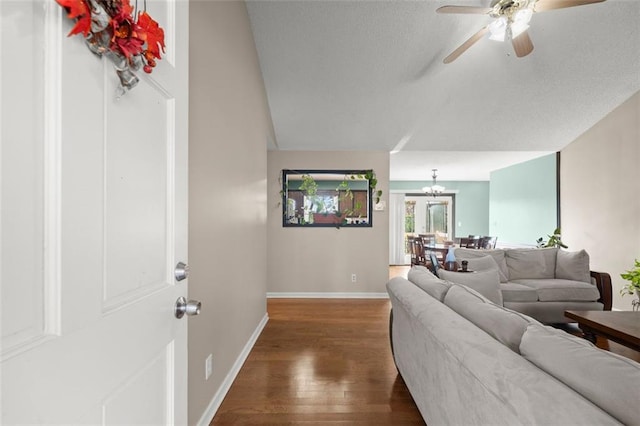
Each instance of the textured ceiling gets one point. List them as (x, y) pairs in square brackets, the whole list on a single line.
[(368, 75)]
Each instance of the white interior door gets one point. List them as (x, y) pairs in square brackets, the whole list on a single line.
[(94, 220)]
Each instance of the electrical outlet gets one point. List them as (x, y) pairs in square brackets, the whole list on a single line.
[(354, 278), (208, 367)]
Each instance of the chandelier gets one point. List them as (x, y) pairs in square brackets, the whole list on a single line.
[(434, 189)]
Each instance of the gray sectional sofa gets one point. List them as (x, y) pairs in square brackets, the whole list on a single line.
[(543, 283), (468, 361)]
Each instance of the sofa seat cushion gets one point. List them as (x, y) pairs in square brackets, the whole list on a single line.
[(586, 369), (514, 292), (552, 290), (502, 324)]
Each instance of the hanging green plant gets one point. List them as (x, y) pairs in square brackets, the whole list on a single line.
[(373, 183), (309, 186)]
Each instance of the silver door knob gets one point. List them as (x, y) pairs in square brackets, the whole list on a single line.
[(181, 272), (192, 307)]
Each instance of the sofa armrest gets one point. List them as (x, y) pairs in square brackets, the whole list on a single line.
[(603, 282)]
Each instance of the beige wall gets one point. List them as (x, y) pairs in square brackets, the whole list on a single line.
[(229, 126), (600, 187), (323, 259)]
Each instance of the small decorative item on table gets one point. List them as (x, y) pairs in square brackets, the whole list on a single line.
[(465, 267), (450, 263)]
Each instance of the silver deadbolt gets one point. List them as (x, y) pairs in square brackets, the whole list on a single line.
[(192, 307), (181, 272)]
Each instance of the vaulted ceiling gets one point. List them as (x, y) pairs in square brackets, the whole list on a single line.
[(368, 75)]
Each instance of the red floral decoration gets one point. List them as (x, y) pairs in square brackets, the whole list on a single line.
[(110, 28)]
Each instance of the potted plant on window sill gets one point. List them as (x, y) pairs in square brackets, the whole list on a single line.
[(633, 286), (555, 240)]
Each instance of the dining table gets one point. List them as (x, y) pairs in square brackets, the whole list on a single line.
[(440, 249)]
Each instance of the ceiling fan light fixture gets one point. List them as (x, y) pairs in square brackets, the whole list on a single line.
[(521, 21), (498, 29), (511, 22), (523, 16), (518, 28)]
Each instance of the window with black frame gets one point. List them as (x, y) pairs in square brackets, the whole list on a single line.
[(327, 198)]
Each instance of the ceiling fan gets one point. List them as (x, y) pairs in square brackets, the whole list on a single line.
[(511, 21)]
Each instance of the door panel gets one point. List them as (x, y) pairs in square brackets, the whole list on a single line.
[(151, 386), (138, 217), (22, 191), (93, 222)]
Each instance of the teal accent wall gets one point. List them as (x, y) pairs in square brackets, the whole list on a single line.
[(471, 205), (523, 201)]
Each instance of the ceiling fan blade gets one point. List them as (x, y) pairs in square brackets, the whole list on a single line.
[(464, 46), (544, 5), (463, 9), (522, 44)]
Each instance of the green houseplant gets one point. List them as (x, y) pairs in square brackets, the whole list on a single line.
[(554, 240), (633, 285)]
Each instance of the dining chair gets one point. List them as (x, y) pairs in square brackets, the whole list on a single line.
[(441, 237), (487, 242), (468, 242), (418, 247), (412, 250), (428, 238)]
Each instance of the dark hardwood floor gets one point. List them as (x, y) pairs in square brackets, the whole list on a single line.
[(321, 361)]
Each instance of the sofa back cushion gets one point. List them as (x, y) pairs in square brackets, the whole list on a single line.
[(423, 278), (538, 263), (502, 324), (573, 265), (472, 254), (484, 263), (487, 283), (608, 380), (418, 270)]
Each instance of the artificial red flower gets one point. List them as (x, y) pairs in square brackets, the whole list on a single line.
[(126, 33), (154, 35), (78, 9), (126, 7)]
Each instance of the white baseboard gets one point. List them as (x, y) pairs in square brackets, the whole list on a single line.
[(310, 295), (211, 410)]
